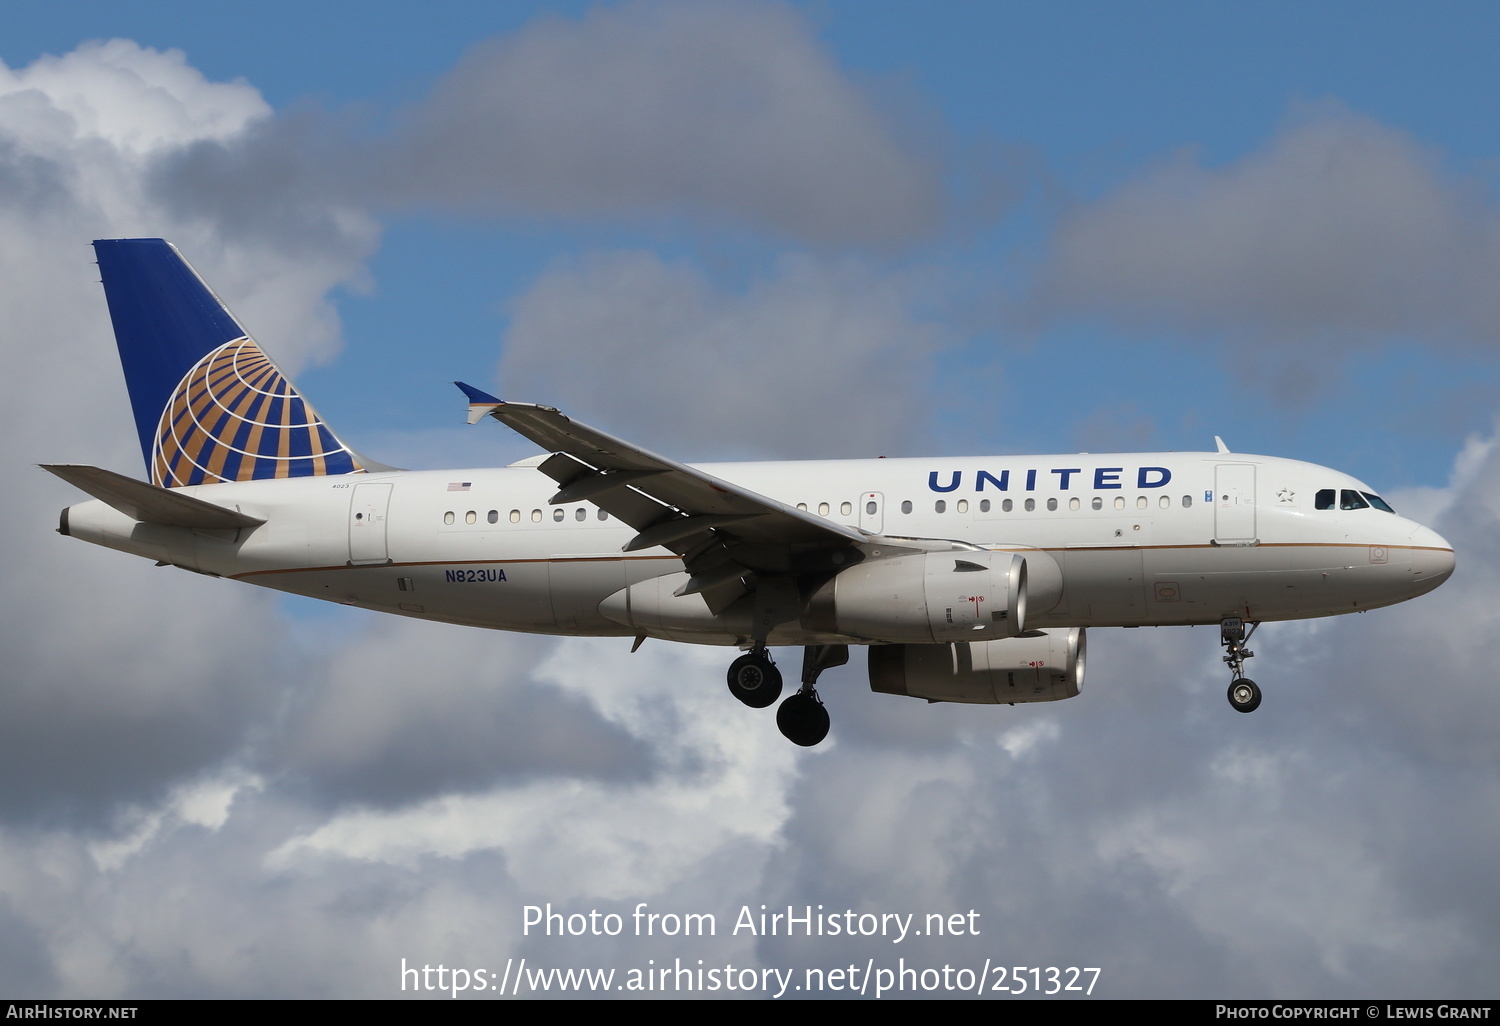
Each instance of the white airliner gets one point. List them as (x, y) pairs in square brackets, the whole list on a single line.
[(968, 579)]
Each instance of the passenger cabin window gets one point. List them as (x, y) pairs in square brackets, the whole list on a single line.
[(940, 506), (870, 507), (906, 506), (823, 509), (984, 505), (1006, 506), (515, 516), (1098, 503), (963, 506), (557, 515), (1030, 505), (846, 508), (494, 516), (1074, 503), (448, 517), (1187, 500), (536, 516)]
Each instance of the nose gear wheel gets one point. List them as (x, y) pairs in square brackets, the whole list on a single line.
[(1244, 693)]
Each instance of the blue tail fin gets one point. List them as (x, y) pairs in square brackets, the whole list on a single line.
[(209, 406)]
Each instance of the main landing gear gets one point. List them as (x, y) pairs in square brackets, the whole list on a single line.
[(802, 719), (1244, 693), (754, 679)]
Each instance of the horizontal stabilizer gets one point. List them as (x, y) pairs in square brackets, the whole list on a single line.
[(149, 503)]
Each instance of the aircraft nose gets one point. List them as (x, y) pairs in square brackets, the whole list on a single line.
[(1432, 558)]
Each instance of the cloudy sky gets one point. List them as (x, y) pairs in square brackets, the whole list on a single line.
[(756, 230)]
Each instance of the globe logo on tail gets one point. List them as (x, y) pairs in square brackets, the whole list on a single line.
[(235, 417)]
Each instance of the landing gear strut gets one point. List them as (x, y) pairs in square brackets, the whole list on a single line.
[(754, 679), (1244, 693), (802, 718)]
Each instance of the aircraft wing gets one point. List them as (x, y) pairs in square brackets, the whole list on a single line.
[(722, 530)]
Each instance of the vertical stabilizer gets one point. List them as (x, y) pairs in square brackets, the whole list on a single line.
[(209, 405)]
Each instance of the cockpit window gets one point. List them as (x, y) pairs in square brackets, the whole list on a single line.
[(1348, 498)]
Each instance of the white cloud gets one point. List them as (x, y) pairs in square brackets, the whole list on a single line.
[(204, 802), (719, 783), (819, 359), (1340, 230), (121, 709), (724, 112), (133, 100), (651, 107)]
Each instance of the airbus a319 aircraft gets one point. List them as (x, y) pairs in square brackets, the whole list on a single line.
[(966, 579)]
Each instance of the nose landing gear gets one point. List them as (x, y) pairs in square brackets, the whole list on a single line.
[(1244, 693)]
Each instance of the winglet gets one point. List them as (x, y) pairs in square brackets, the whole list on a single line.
[(1217, 441), (481, 403)]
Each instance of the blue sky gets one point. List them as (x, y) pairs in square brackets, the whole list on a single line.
[(756, 230)]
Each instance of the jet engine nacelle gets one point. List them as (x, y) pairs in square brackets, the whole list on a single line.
[(925, 597), (1045, 667)]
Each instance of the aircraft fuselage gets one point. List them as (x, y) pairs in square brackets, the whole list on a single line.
[(1132, 539)]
